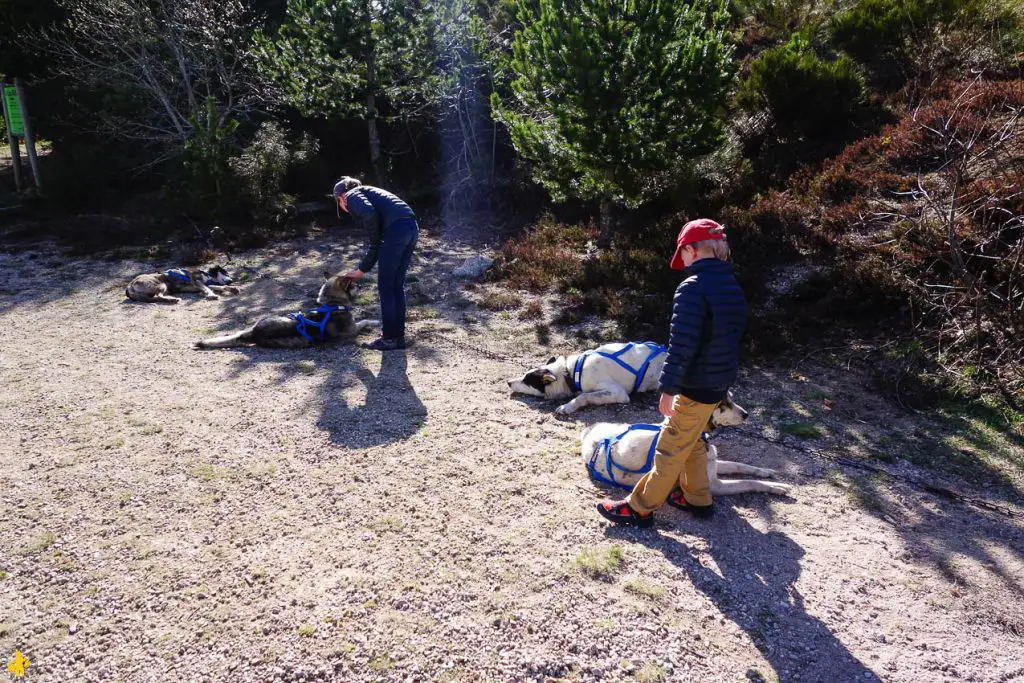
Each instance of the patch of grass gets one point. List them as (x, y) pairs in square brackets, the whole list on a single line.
[(207, 471), (306, 630), (645, 588), (425, 313), (37, 545), (206, 331), (532, 311), (803, 430), (453, 675), (124, 499), (600, 562), (605, 622), (386, 523), (3, 575), (7, 629), (500, 301), (259, 575), (381, 663), (261, 471), (650, 673), (306, 367)]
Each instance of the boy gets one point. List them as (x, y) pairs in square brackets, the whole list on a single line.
[(709, 315)]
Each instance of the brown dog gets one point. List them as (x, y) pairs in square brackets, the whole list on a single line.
[(330, 321)]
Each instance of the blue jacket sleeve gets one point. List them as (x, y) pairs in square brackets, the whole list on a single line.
[(360, 208), (689, 309)]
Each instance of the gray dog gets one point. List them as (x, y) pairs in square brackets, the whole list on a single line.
[(331, 320)]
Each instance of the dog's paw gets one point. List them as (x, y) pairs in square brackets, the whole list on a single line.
[(198, 345), (565, 409), (779, 489), (764, 472)]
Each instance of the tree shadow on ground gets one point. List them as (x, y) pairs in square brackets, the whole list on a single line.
[(750, 576), (900, 464)]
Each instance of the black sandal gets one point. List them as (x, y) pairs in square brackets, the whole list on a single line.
[(677, 500), (619, 512)]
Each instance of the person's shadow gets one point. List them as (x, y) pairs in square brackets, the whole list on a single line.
[(755, 587), (391, 412)]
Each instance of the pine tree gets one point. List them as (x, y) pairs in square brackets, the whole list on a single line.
[(613, 97), (339, 58)]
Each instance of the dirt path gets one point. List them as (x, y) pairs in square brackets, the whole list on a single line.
[(256, 515)]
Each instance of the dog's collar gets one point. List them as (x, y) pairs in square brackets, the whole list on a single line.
[(568, 373), (705, 436)]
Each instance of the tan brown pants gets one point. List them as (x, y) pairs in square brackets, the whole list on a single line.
[(680, 459)]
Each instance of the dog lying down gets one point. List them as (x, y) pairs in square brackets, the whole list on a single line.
[(620, 454), (332, 320), (607, 374), (154, 287)]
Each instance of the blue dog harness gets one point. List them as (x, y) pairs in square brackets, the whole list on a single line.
[(604, 448), (179, 274), (301, 321), (655, 351), (182, 276)]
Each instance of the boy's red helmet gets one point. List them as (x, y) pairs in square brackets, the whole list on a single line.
[(695, 231)]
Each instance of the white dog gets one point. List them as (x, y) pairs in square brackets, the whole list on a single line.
[(621, 454), (607, 374)]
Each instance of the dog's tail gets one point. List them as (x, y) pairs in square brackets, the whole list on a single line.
[(227, 341)]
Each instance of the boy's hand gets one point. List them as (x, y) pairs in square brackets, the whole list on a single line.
[(354, 274), (667, 405)]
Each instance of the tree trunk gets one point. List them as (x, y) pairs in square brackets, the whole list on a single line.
[(371, 98), (607, 225)]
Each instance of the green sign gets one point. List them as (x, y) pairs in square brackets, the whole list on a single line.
[(15, 120)]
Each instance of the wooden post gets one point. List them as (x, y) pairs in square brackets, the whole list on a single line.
[(30, 140), (12, 140)]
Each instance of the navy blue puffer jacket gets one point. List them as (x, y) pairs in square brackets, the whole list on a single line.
[(376, 209), (709, 315)]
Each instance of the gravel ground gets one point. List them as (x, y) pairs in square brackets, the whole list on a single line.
[(331, 514)]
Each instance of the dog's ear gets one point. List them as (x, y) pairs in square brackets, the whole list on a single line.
[(549, 377), (327, 275), (551, 360)]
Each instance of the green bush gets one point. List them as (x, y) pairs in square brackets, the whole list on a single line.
[(206, 163), (261, 169), (901, 39), (779, 19), (809, 98)]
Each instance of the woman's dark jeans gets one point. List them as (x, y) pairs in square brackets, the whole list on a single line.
[(392, 263)]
